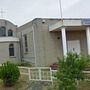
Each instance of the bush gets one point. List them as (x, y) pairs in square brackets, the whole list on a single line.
[(9, 73), (70, 70)]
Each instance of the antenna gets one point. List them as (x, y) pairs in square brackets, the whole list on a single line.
[(2, 12)]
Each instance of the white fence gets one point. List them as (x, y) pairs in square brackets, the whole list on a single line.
[(41, 73), (38, 73)]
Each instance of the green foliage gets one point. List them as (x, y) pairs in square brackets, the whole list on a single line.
[(9, 73), (70, 70), (24, 63)]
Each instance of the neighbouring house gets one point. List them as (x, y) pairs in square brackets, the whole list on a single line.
[(42, 40)]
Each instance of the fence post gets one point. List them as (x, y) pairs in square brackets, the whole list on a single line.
[(39, 73), (51, 76), (29, 73)]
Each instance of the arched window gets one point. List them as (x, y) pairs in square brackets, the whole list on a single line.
[(10, 32), (11, 49), (2, 31)]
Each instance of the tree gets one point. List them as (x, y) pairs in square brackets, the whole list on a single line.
[(70, 70)]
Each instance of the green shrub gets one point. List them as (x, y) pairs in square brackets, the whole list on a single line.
[(70, 70), (9, 73)]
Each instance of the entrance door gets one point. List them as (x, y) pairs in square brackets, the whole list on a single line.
[(74, 46)]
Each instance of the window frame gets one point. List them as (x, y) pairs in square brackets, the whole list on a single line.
[(10, 32), (11, 50), (2, 31), (25, 43)]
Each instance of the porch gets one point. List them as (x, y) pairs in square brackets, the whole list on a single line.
[(74, 35)]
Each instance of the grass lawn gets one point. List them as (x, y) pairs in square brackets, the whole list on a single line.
[(20, 85), (83, 85), (24, 83)]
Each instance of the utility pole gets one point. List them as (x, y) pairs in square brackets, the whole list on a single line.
[(61, 13)]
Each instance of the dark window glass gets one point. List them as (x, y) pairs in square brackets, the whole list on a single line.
[(2, 31), (26, 44), (11, 50), (10, 32)]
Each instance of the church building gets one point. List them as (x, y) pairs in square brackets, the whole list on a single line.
[(42, 40)]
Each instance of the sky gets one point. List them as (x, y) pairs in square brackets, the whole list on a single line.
[(20, 12)]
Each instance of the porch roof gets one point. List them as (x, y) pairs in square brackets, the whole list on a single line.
[(70, 23)]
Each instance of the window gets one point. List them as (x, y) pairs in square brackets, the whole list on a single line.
[(25, 43), (11, 50), (10, 32), (2, 31)]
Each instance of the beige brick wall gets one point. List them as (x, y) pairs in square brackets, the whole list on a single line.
[(4, 53), (29, 56), (48, 45), (8, 26), (4, 47)]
